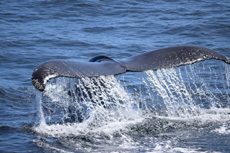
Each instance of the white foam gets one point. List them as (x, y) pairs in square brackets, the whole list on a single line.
[(206, 115), (167, 146), (224, 129)]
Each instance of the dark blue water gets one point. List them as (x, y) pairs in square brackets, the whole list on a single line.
[(184, 109)]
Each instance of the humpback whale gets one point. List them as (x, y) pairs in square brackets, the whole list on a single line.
[(103, 65)]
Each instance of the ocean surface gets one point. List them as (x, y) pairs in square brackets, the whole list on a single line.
[(183, 109)]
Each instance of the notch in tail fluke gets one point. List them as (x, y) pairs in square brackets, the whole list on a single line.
[(103, 65)]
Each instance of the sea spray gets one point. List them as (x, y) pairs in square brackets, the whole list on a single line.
[(176, 92), (170, 87), (227, 85), (73, 106), (195, 94), (40, 114), (113, 113)]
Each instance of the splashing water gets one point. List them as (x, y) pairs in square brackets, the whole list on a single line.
[(90, 104), (107, 109), (197, 92)]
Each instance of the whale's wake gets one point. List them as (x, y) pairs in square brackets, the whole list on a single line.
[(107, 113)]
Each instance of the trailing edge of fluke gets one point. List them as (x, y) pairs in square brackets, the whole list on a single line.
[(103, 65)]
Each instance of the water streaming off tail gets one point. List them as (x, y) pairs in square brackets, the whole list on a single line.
[(189, 91), (155, 101), (88, 103)]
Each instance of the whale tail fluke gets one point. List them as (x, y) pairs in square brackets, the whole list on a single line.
[(103, 65), (170, 57)]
